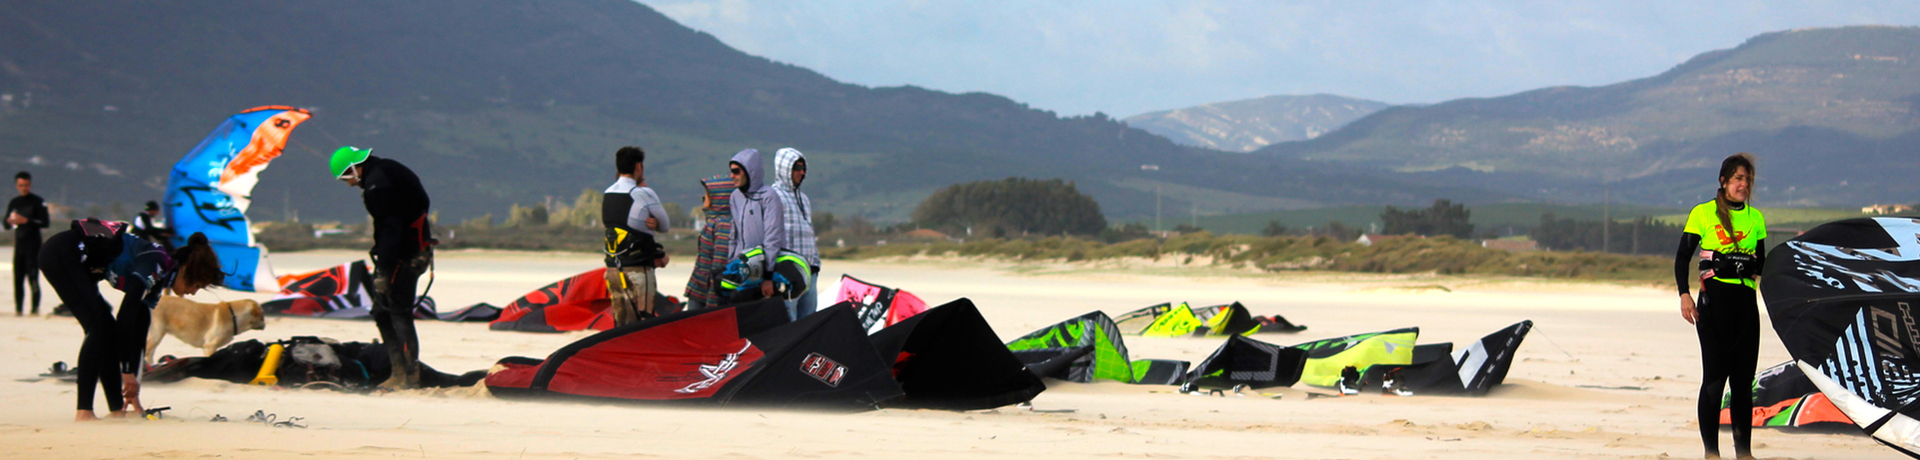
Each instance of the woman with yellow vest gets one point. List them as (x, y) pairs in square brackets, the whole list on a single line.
[(1731, 239)]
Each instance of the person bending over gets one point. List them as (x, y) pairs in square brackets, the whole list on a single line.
[(95, 250)]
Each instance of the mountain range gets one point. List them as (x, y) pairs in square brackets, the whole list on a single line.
[(497, 102), (1247, 125), (1831, 114)]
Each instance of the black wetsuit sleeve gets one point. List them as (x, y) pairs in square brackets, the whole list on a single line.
[(1760, 256), (39, 217), (1688, 243)]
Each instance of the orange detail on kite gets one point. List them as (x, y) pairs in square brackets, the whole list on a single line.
[(269, 139)]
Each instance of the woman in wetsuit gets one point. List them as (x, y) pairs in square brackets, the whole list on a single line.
[(94, 250), (1730, 236)]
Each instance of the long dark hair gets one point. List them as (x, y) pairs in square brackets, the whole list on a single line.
[(1728, 168), (196, 263)]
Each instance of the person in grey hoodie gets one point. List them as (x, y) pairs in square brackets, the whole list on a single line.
[(789, 171), (757, 213)]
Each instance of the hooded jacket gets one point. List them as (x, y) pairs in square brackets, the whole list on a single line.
[(796, 208), (715, 236), (757, 212)]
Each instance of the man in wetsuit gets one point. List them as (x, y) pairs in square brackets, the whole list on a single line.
[(402, 250), (26, 215)]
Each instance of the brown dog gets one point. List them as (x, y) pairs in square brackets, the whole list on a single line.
[(205, 325)]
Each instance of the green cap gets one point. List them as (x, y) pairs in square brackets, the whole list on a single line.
[(346, 157)]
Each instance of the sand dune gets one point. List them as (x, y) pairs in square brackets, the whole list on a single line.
[(1609, 372)]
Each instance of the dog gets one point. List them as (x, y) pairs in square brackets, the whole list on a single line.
[(205, 325)]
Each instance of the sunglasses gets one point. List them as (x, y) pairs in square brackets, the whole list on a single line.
[(736, 170)]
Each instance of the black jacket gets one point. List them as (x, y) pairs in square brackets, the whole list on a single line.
[(399, 206)]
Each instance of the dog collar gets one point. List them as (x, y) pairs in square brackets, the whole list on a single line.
[(235, 316)]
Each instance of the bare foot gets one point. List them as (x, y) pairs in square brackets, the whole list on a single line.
[(85, 416)]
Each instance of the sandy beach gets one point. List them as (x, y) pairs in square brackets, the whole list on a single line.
[(1610, 371)]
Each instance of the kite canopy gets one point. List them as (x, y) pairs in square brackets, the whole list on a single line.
[(1089, 347), (1784, 398), (1439, 369), (879, 306), (576, 303), (741, 355), (1842, 298), (950, 359), (1326, 358), (1170, 320), (210, 189), (1256, 364), (342, 292)]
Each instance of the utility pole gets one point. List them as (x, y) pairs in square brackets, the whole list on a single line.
[(1606, 220)]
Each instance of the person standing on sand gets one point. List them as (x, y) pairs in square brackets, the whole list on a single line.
[(628, 210), (716, 233), (789, 170), (1731, 238), (26, 215), (757, 218), (402, 251)]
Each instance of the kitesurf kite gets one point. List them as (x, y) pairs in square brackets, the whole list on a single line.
[(576, 303), (948, 358), (1842, 298), (209, 190), (1784, 398), (1439, 369), (1089, 347), (1327, 358), (343, 292), (741, 355), (879, 306), (1171, 320), (1249, 362)]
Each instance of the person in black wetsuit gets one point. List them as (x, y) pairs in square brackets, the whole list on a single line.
[(94, 250), (1730, 236), (402, 251), (145, 227), (26, 215)]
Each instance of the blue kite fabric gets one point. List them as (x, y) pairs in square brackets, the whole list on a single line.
[(210, 189)]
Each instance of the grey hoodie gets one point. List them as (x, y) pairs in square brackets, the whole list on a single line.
[(757, 214)]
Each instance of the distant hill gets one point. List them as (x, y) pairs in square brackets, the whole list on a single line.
[(1833, 114), (497, 102), (1247, 125)]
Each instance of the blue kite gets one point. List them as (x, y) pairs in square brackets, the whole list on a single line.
[(209, 190)]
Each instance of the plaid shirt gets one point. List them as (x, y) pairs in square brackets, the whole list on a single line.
[(799, 209)]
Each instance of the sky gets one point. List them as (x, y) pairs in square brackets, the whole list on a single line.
[(1126, 57)]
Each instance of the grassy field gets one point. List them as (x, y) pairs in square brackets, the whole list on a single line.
[(1502, 218), (1440, 255), (1800, 218)]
